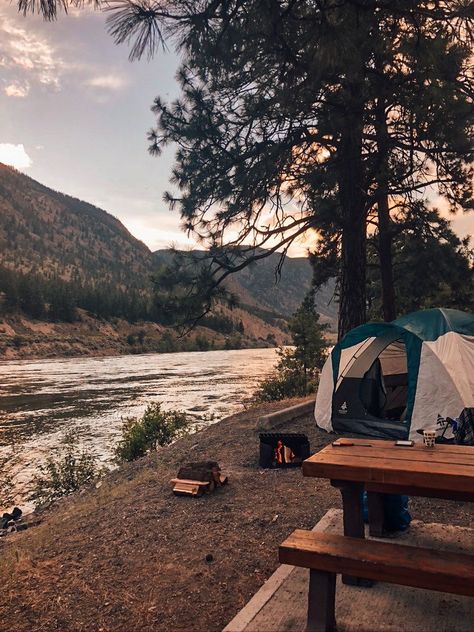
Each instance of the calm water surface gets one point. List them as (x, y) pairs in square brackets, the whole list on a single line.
[(41, 399)]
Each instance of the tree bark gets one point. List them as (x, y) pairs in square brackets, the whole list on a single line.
[(352, 305), (383, 210), (385, 258), (351, 175)]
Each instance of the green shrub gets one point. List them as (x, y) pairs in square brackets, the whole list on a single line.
[(156, 428), (167, 344), (297, 371), (202, 343), (72, 469), (17, 341), (288, 380)]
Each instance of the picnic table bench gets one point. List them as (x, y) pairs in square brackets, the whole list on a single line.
[(326, 555)]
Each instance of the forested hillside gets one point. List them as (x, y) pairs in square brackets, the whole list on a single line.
[(58, 253), (47, 232), (78, 270)]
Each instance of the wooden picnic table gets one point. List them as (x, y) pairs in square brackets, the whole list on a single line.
[(380, 467)]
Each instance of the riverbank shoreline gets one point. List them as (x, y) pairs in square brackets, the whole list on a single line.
[(26, 339), (129, 555)]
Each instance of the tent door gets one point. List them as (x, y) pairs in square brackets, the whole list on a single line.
[(371, 398)]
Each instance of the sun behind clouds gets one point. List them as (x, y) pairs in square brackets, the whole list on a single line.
[(14, 155)]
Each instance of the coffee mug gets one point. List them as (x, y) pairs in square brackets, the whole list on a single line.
[(429, 437)]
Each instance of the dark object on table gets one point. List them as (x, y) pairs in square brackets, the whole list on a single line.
[(464, 432)]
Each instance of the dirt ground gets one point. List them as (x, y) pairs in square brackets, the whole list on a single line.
[(131, 556)]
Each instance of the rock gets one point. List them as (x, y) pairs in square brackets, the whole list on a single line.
[(5, 520), (21, 527), (16, 513)]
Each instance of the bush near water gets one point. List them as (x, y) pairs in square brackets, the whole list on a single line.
[(156, 428), (74, 468)]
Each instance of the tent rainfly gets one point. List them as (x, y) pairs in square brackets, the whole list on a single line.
[(388, 380)]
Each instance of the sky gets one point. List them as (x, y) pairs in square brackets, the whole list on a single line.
[(74, 115)]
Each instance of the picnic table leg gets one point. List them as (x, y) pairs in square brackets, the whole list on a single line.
[(321, 602), (353, 518), (376, 516)]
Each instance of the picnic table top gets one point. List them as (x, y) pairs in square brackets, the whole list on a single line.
[(444, 468)]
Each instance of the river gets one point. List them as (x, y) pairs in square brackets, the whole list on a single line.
[(42, 399)]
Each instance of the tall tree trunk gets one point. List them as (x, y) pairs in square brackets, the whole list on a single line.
[(352, 305), (351, 173), (385, 258), (389, 309)]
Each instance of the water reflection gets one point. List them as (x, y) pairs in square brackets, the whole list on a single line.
[(40, 399)]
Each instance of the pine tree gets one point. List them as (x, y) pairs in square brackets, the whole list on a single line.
[(31, 296), (295, 113), (432, 267), (9, 287), (308, 338), (304, 115), (62, 304), (298, 369)]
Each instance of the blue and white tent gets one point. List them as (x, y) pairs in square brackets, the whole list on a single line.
[(390, 379)]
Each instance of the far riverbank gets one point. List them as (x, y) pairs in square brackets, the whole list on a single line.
[(22, 338)]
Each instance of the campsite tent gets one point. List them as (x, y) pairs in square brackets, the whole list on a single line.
[(390, 379)]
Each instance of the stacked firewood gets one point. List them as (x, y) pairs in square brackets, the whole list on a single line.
[(195, 479)]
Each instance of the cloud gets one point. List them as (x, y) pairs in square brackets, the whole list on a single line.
[(107, 82), (15, 156), (19, 89), (25, 51), (28, 58)]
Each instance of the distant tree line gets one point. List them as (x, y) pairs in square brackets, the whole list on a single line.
[(58, 300), (222, 323)]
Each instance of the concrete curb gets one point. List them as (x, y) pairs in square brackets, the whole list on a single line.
[(278, 418)]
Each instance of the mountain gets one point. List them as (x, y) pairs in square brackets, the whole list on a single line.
[(53, 235), (259, 288)]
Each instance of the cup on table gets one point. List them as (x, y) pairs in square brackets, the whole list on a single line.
[(429, 437)]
